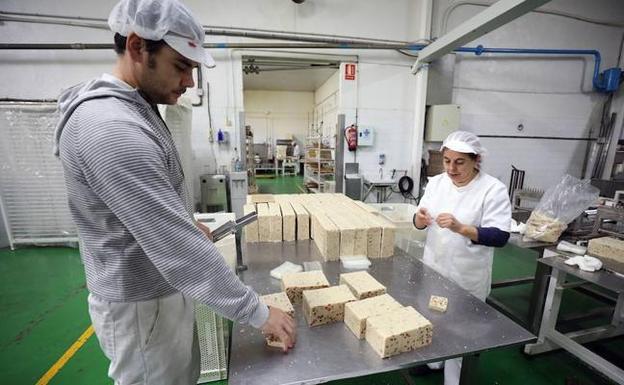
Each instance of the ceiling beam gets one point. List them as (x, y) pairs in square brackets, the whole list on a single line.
[(496, 15)]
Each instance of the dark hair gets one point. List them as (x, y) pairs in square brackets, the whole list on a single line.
[(151, 46)]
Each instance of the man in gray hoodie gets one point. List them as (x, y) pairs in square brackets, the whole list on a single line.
[(145, 258)]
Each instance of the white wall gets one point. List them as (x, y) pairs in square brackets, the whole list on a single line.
[(278, 114), (549, 96), (382, 98), (326, 101), (42, 74)]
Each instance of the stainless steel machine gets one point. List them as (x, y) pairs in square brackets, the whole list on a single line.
[(353, 181), (213, 193)]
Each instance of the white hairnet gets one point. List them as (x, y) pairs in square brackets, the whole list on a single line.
[(167, 20), (464, 141)]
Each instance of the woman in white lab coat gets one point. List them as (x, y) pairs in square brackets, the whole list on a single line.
[(467, 213)]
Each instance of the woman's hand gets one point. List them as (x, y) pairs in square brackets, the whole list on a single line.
[(422, 218), (448, 221)]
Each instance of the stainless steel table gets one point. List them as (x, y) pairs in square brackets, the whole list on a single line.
[(331, 352), (539, 286), (550, 338), (381, 185)]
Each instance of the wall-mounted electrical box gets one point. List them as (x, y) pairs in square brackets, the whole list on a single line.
[(440, 121), (365, 136)]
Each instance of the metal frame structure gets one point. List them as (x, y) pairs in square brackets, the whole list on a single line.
[(496, 15), (550, 339)]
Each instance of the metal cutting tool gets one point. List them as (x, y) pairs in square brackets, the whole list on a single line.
[(231, 227)]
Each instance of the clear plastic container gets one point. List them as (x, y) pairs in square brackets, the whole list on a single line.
[(407, 237)]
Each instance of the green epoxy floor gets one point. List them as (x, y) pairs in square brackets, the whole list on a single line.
[(43, 310), (280, 185)]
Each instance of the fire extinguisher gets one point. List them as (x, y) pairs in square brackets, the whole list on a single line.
[(351, 135)]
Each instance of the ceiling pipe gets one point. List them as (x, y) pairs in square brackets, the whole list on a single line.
[(411, 47), (309, 41), (478, 50), (252, 33)]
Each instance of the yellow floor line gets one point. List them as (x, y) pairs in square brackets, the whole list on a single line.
[(66, 356)]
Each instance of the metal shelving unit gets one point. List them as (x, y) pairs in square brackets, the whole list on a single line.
[(319, 164)]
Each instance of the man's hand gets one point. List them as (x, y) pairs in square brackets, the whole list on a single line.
[(282, 326), (422, 218), (204, 228)]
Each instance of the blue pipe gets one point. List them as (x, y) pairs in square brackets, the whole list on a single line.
[(479, 50)]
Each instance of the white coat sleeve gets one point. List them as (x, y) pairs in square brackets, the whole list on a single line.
[(497, 208), (425, 201)]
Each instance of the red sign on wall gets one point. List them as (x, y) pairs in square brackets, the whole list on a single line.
[(349, 71)]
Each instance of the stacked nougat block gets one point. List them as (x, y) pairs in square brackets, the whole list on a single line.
[(295, 283), (360, 301), (362, 284), (326, 305), (356, 313), (387, 326), (398, 331), (337, 225)]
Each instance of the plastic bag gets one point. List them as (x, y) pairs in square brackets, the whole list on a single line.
[(560, 205)]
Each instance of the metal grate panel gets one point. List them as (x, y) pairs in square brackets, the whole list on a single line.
[(32, 191), (213, 333)]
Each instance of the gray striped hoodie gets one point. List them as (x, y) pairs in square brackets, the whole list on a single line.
[(126, 194)]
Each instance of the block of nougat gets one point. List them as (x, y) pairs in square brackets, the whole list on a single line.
[(303, 221), (398, 331), (609, 250), (362, 284), (387, 237), (275, 222), (324, 232), (264, 222), (357, 312), (289, 230), (295, 283), (278, 300), (261, 198), (250, 230), (326, 305), (438, 303)]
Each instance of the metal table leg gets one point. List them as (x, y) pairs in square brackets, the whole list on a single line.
[(549, 338), (469, 368), (538, 297)]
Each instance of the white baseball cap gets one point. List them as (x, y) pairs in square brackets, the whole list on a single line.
[(167, 20), (463, 141)]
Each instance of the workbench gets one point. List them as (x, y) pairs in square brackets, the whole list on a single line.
[(381, 185), (550, 339), (538, 284), (330, 352)]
